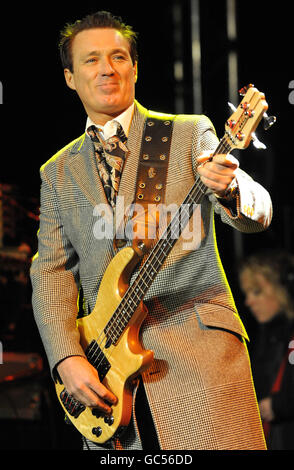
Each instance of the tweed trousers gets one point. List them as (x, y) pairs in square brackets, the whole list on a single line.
[(199, 386)]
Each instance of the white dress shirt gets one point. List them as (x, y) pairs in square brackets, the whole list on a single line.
[(109, 129)]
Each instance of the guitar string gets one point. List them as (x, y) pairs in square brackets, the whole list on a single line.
[(200, 190), (158, 245), (223, 145), (125, 304)]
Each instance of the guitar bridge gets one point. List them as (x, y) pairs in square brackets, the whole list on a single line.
[(72, 406)]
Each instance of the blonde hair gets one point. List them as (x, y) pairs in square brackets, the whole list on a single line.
[(277, 268)]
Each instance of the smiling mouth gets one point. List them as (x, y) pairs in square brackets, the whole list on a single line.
[(107, 84), (108, 88)]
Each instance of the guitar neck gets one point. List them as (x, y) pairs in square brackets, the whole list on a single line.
[(136, 292)]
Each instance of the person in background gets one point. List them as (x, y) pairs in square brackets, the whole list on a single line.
[(267, 280)]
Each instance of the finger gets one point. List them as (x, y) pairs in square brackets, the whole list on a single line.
[(104, 393), (217, 186), (99, 388), (226, 160), (215, 172), (204, 157), (90, 398), (213, 168)]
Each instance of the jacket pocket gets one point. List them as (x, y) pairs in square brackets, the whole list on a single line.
[(212, 315)]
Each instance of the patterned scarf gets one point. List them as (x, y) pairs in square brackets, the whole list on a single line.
[(111, 155)]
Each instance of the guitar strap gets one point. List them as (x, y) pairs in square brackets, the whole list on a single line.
[(152, 175), (154, 159), (151, 180)]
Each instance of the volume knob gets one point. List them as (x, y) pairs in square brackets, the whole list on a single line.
[(97, 431), (109, 420)]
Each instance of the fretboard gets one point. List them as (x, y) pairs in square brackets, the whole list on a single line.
[(158, 254)]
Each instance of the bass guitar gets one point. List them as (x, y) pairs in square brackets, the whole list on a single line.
[(110, 333)]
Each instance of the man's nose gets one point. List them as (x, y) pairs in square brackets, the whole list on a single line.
[(106, 67)]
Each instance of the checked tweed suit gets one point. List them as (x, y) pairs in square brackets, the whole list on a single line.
[(199, 386)]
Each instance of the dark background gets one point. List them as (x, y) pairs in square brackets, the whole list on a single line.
[(40, 115)]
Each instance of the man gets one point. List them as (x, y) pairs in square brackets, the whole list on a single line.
[(199, 389)]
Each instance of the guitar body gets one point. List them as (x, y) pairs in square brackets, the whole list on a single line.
[(127, 358)]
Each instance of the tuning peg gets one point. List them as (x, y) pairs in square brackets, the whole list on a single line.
[(268, 121), (255, 141), (244, 90)]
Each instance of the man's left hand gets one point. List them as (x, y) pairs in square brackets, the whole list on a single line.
[(218, 173)]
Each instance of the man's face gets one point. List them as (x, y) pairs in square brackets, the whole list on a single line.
[(103, 73)]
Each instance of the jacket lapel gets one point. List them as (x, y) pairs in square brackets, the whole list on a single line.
[(129, 174), (83, 167)]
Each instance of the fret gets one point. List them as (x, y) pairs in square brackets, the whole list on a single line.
[(157, 255)]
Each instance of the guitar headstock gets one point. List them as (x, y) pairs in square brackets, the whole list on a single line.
[(245, 119)]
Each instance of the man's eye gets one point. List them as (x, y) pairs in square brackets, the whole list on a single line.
[(119, 57), (91, 60)]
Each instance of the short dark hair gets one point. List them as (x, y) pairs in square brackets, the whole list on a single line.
[(100, 19)]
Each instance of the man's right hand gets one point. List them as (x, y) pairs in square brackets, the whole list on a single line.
[(81, 381)]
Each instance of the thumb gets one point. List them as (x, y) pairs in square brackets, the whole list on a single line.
[(204, 157), (230, 158)]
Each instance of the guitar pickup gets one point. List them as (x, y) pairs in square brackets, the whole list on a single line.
[(97, 358), (72, 406)]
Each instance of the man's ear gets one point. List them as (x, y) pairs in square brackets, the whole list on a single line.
[(69, 78), (136, 71)]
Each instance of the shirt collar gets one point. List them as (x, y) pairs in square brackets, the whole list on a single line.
[(109, 129)]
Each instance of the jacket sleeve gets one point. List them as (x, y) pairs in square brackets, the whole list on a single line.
[(55, 281), (253, 206)]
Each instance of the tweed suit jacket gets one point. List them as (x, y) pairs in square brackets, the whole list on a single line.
[(199, 386)]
